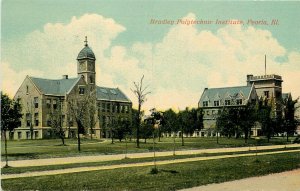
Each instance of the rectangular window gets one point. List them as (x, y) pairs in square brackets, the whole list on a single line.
[(81, 90), (54, 104), (207, 112), (239, 101), (103, 107), (28, 119), (36, 134), (36, 122), (205, 103), (216, 103), (126, 109), (266, 93), (27, 135), (113, 108), (19, 135), (36, 102), (108, 107), (48, 103), (71, 123), (227, 102)]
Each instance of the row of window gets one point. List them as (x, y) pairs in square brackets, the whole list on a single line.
[(28, 135), (212, 112), (227, 102), (106, 120), (114, 108)]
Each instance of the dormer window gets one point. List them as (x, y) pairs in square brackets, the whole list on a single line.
[(205, 103), (239, 101), (216, 103), (227, 102), (81, 90), (27, 90)]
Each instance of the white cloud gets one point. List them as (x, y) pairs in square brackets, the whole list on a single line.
[(177, 68)]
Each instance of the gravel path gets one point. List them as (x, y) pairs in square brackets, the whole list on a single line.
[(285, 181), (99, 158), (93, 168)]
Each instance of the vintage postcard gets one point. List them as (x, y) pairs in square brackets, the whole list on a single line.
[(150, 95)]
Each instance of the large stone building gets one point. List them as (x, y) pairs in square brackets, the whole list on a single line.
[(41, 97), (264, 87)]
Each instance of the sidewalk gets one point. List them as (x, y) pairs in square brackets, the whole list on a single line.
[(100, 158), (285, 181), (93, 168)]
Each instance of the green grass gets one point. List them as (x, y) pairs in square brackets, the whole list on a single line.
[(17, 170), (169, 177), (34, 149)]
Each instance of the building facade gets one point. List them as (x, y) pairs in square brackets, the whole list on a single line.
[(40, 98), (265, 87)]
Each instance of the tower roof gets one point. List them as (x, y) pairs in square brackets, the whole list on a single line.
[(86, 52)]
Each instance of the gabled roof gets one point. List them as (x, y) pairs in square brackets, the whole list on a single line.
[(111, 94), (225, 92), (54, 87)]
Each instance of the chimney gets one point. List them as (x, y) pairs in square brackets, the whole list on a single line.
[(205, 89), (249, 77), (65, 77)]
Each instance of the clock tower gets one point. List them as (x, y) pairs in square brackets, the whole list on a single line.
[(86, 65)]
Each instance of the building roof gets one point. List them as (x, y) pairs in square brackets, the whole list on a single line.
[(54, 87), (224, 93), (111, 94), (86, 52)]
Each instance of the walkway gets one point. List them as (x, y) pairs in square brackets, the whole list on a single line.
[(100, 158), (93, 168), (285, 181)]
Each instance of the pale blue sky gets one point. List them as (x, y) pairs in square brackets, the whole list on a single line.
[(39, 37)]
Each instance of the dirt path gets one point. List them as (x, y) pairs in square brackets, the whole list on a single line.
[(285, 181), (99, 158), (93, 168)]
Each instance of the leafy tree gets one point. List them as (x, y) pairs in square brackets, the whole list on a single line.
[(264, 113), (146, 130), (247, 119), (224, 123), (289, 121), (121, 128), (10, 118), (141, 93)]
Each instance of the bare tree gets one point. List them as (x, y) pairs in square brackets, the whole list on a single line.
[(57, 121), (79, 105), (141, 93)]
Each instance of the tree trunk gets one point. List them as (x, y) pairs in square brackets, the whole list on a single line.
[(174, 144), (111, 135), (5, 143), (78, 139), (217, 137), (91, 133), (287, 137), (182, 141), (138, 127), (158, 134)]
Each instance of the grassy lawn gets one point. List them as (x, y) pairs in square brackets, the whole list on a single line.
[(170, 177), (33, 149), (17, 170)]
